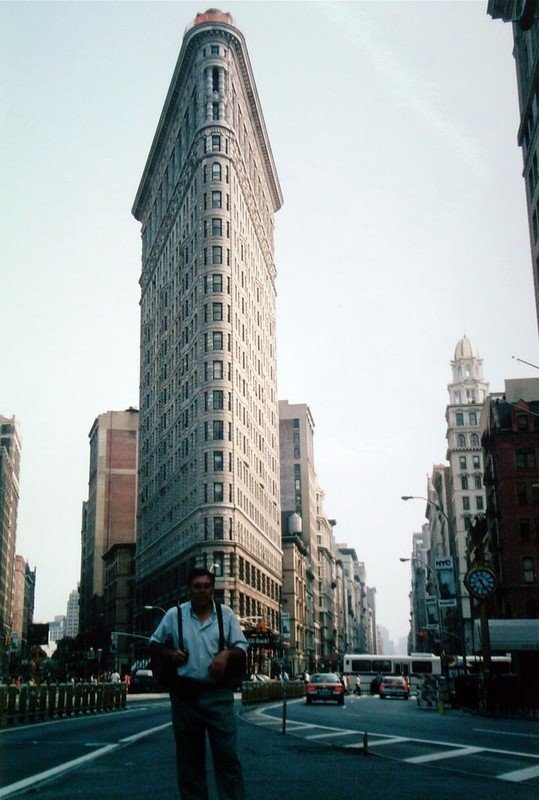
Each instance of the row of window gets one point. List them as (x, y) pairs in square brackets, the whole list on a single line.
[(479, 503), (462, 440), (465, 482), (476, 462), (527, 493), (460, 418)]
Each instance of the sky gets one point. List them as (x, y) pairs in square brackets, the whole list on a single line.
[(394, 131)]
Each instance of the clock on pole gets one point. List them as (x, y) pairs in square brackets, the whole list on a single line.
[(481, 582)]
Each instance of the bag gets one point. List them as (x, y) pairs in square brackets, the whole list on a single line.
[(237, 661), (164, 671)]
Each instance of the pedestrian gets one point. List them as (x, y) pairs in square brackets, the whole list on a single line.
[(200, 700), (115, 677)]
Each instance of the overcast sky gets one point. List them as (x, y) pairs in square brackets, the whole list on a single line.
[(393, 127)]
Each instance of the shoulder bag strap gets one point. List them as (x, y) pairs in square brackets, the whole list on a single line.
[(219, 612), (180, 628)]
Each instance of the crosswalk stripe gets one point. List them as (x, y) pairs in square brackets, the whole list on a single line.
[(463, 751), (519, 774), (378, 742)]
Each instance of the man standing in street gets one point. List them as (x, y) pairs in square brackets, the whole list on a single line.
[(201, 701)]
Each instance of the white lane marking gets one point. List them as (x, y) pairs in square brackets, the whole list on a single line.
[(60, 769), (25, 783), (136, 736), (342, 732), (462, 751), (378, 742), (507, 733), (519, 775)]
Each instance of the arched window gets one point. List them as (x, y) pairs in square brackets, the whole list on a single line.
[(215, 79), (475, 440), (216, 171), (461, 440)]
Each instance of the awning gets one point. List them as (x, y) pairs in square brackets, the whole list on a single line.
[(507, 635)]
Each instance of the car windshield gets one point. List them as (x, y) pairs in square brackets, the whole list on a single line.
[(325, 677), (394, 681)]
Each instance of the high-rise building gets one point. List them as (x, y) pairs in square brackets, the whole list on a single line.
[(24, 583), (209, 457), (109, 514), (524, 16), (467, 393), (10, 458), (298, 496), (72, 614)]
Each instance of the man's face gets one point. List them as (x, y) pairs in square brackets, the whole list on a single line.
[(201, 593)]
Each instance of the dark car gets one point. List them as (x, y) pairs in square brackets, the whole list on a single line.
[(325, 686), (142, 681), (394, 686)]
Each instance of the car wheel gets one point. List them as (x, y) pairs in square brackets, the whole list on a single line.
[(340, 701), (382, 697), (308, 701), (406, 696)]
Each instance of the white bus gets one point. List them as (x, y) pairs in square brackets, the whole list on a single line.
[(414, 667)]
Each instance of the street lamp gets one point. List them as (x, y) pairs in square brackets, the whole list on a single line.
[(157, 608)]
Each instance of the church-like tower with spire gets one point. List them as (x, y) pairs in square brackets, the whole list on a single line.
[(467, 393)]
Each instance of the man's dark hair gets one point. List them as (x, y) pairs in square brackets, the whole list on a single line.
[(200, 572)]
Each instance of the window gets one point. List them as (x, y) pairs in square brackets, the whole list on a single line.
[(477, 462), (215, 111), (474, 440), (216, 226), (218, 430), (214, 49), (525, 458), (464, 482), (461, 440), (218, 492), (473, 418), (521, 493), (218, 527), (522, 422), (535, 493), (479, 503), (462, 462), (296, 452), (217, 340), (217, 399), (217, 370), (478, 482), (217, 282), (216, 171), (466, 503), (215, 142), (216, 200), (524, 526), (217, 254), (528, 570), (218, 460), (295, 423), (217, 312), (460, 419), (296, 438)]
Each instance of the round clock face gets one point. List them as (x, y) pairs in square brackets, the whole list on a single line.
[(481, 581)]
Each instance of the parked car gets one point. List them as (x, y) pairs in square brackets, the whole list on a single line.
[(394, 686), (325, 686), (142, 680)]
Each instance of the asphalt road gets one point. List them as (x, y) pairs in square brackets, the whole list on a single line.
[(126, 755)]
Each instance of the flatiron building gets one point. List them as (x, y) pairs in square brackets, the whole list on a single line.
[(209, 427)]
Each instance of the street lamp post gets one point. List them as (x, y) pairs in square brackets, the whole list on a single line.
[(456, 570)]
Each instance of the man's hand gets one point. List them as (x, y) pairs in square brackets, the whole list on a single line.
[(218, 665), (178, 657)]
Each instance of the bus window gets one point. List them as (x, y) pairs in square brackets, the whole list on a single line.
[(381, 666), (421, 667), (361, 666)]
